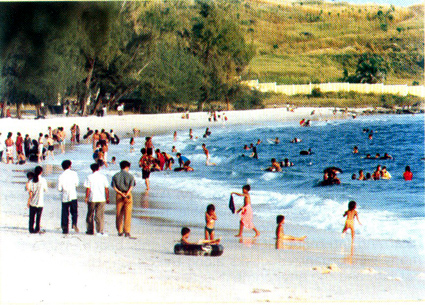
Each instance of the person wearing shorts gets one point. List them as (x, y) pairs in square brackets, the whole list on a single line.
[(146, 162)]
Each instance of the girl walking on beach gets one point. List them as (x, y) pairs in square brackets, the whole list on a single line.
[(246, 212), (351, 213), (37, 187)]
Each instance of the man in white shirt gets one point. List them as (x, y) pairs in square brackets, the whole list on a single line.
[(97, 195), (67, 184)]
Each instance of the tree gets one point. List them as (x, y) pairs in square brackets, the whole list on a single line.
[(24, 39), (370, 68), (221, 47)]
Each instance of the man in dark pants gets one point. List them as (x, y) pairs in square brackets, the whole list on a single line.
[(67, 184)]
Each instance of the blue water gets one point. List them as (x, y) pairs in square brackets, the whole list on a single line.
[(388, 209)]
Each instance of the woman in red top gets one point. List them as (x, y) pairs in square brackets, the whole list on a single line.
[(407, 174)]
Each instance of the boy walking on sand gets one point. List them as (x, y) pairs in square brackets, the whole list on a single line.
[(351, 213), (246, 212)]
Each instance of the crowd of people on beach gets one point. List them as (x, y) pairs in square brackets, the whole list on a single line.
[(26, 149), (23, 149)]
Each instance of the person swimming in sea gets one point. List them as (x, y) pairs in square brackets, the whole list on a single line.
[(386, 157), (275, 166), (296, 140), (254, 153), (306, 152), (286, 163)]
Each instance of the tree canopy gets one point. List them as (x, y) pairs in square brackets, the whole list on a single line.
[(98, 52)]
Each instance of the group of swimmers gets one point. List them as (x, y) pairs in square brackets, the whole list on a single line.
[(381, 172)]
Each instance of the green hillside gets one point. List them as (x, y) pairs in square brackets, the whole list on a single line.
[(302, 42)]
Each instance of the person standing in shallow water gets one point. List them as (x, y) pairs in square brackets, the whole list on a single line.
[(123, 183), (246, 212)]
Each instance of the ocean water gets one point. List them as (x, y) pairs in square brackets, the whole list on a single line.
[(390, 210)]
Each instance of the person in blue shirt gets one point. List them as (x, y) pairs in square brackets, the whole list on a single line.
[(183, 163)]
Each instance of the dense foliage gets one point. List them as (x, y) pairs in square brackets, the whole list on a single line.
[(100, 52)]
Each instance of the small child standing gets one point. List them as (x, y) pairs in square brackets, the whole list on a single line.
[(349, 223), (210, 218), (246, 212)]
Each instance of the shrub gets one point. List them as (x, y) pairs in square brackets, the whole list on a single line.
[(316, 92)]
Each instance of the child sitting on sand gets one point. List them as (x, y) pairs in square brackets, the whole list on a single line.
[(210, 218), (349, 223), (280, 235), (185, 239)]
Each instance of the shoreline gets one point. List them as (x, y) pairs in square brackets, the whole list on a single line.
[(118, 270), (151, 124)]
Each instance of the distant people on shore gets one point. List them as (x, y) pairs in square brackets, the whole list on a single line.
[(9, 148)]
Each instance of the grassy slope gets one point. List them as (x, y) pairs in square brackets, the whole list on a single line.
[(313, 42)]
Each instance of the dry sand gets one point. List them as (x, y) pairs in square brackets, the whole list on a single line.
[(80, 269)]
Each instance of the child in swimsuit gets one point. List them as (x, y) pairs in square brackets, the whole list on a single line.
[(349, 223), (210, 218)]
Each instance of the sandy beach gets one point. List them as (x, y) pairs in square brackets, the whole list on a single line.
[(53, 268)]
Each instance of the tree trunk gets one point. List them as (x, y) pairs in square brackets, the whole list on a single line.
[(200, 106), (37, 110), (98, 102), (88, 82), (227, 103), (18, 110)]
